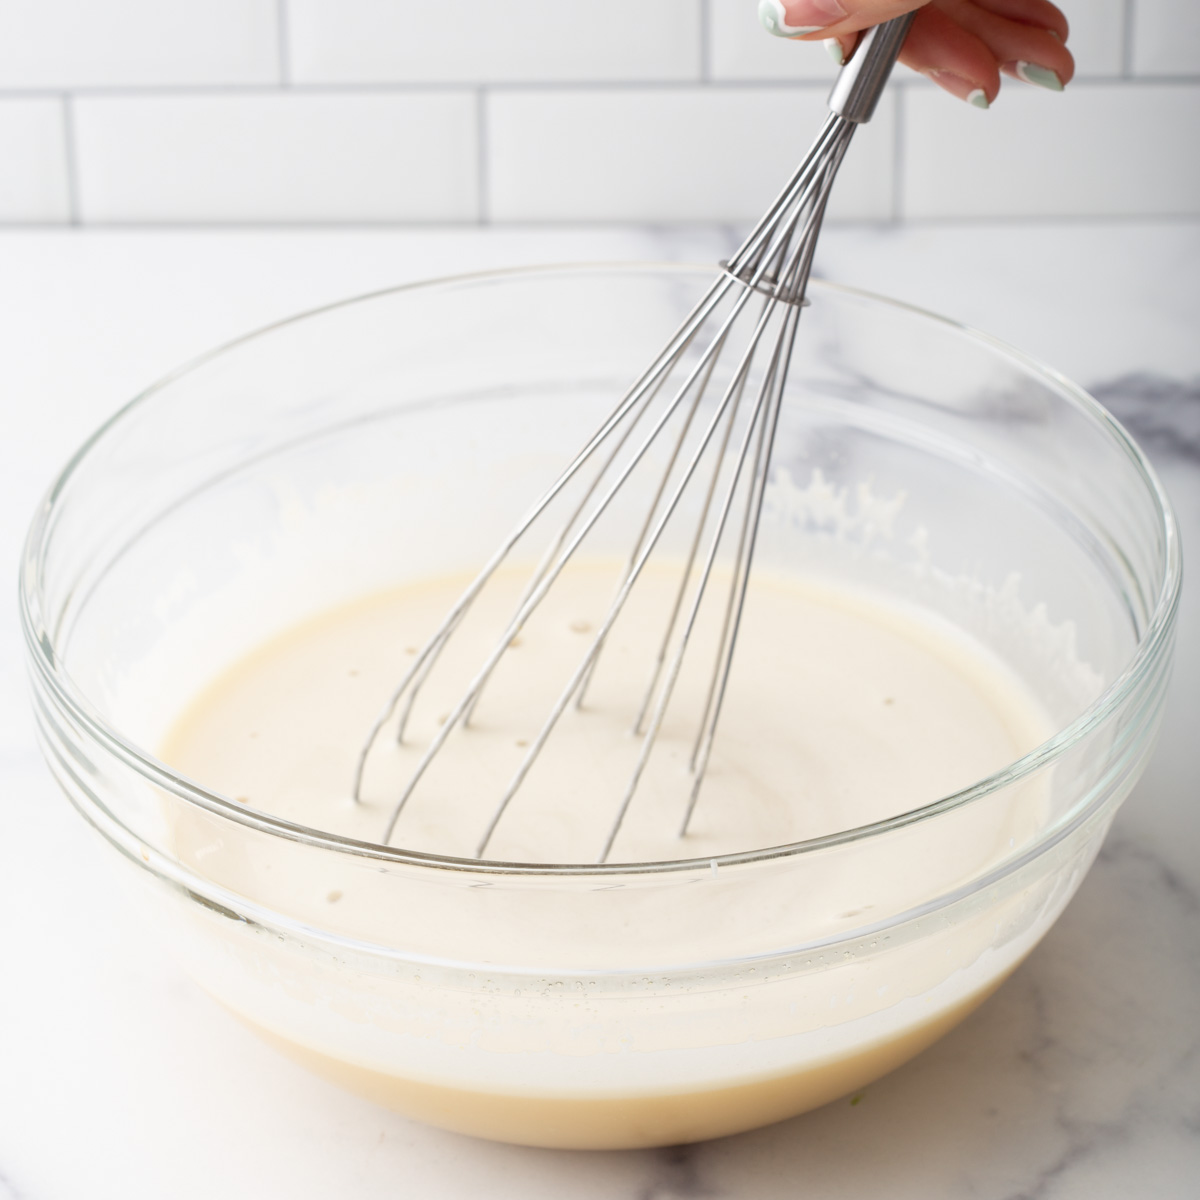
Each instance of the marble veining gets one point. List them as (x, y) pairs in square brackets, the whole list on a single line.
[(8, 1191), (1161, 412), (1079, 1080), (676, 1172)]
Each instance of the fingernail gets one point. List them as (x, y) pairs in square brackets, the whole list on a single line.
[(964, 89), (835, 51), (1038, 76), (795, 18)]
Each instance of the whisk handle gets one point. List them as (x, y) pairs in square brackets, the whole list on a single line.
[(863, 78)]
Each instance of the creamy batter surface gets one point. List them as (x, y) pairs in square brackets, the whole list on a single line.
[(842, 709)]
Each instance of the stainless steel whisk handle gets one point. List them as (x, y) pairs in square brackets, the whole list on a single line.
[(864, 77)]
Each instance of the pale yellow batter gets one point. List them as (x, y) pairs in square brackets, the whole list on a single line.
[(842, 710)]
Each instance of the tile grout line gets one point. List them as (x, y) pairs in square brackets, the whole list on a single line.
[(281, 38), (599, 87), (383, 225), (899, 120), (71, 160), (1127, 17), (482, 159)]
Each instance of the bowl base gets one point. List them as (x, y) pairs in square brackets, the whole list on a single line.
[(630, 1121)]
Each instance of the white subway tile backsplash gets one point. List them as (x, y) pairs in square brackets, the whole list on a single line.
[(1097, 36), (1099, 149), (370, 110), (278, 157), (526, 41), (739, 48), (1166, 38), (97, 43), (33, 183), (675, 154)]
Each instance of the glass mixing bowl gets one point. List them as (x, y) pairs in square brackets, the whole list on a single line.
[(399, 436)]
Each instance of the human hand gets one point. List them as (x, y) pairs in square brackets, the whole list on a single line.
[(962, 45)]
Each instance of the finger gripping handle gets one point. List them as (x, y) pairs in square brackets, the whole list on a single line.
[(862, 79)]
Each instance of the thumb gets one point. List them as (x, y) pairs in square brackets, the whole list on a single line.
[(804, 18)]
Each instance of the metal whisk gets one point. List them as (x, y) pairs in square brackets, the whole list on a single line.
[(710, 403)]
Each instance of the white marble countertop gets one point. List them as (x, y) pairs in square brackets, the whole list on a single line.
[(119, 1078)]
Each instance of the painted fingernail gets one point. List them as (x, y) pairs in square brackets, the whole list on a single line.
[(835, 51), (1038, 76), (795, 18), (964, 89)]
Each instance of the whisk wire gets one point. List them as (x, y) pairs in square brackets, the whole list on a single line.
[(556, 545), (544, 586), (747, 268), (627, 586), (797, 265), (768, 246), (652, 508), (757, 421), (436, 641), (745, 553), (775, 261), (689, 561), (792, 281)]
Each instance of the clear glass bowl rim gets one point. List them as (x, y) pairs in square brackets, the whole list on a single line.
[(1154, 640)]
